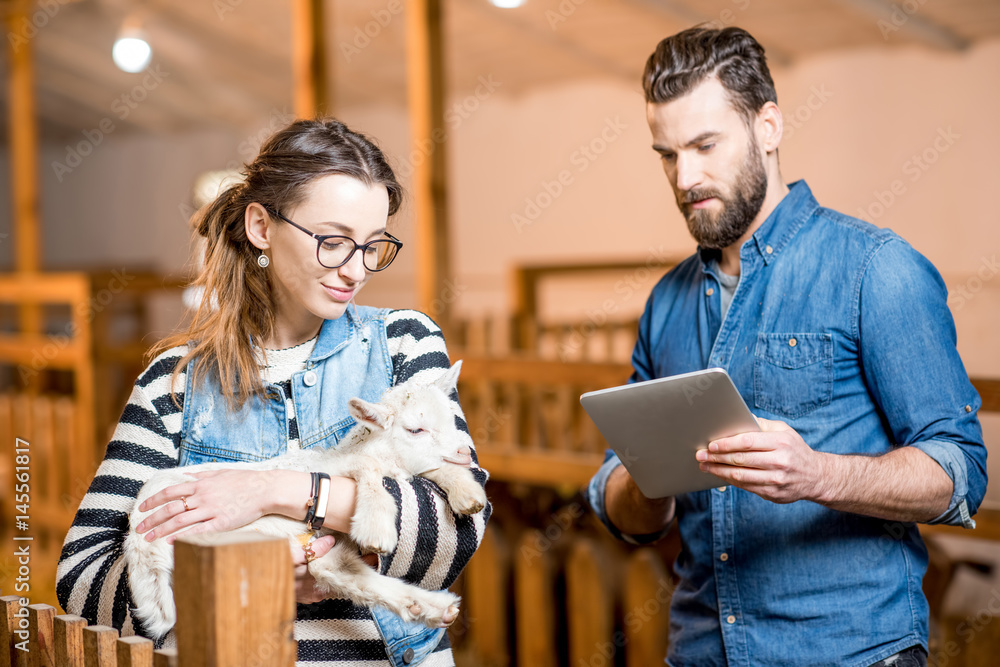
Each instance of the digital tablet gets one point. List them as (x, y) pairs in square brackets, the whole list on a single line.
[(655, 427)]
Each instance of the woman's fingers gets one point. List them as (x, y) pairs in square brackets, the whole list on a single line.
[(166, 512), (164, 496)]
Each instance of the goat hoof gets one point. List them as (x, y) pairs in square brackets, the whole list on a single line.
[(450, 615), (415, 610)]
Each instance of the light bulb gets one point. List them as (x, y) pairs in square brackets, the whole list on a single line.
[(131, 51)]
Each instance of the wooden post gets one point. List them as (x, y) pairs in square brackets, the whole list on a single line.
[(135, 652), (534, 590), (590, 599), (99, 646), (23, 136), (236, 605), (165, 657), (486, 604), (10, 617), (68, 637), (308, 58), (426, 90), (648, 588), (40, 619)]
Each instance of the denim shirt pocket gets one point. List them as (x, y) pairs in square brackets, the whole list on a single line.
[(793, 373), (406, 643)]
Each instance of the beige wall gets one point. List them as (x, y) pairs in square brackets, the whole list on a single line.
[(855, 121)]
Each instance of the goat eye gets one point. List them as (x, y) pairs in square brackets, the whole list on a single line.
[(416, 431)]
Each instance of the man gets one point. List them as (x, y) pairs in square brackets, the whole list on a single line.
[(838, 336)]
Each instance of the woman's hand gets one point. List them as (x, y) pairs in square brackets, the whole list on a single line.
[(305, 584), (218, 500)]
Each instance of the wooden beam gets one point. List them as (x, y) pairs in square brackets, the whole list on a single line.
[(426, 91), (308, 58), (891, 16), (23, 135)]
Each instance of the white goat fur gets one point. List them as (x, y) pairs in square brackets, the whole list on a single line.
[(410, 432)]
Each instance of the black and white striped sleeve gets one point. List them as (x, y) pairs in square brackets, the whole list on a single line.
[(434, 543), (91, 579)]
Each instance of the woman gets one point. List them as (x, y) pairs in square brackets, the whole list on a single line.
[(268, 364)]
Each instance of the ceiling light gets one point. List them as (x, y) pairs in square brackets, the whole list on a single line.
[(131, 51), (507, 4)]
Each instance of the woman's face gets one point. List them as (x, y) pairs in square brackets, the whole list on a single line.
[(305, 291)]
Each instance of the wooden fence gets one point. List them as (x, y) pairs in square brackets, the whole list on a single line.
[(235, 609), (549, 586)]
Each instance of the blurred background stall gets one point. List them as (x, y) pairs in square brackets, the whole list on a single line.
[(536, 222)]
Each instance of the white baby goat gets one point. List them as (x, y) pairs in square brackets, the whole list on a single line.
[(411, 432)]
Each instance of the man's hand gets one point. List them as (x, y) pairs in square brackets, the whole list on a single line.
[(774, 463)]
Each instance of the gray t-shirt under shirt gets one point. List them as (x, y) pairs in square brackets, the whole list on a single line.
[(728, 285)]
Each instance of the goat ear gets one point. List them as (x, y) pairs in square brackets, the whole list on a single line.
[(449, 380), (371, 414)]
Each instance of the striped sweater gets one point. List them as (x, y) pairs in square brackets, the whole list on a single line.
[(434, 543)]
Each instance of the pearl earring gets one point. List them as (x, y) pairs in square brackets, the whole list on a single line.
[(263, 261)]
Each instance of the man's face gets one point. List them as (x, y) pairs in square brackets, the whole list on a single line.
[(712, 161)]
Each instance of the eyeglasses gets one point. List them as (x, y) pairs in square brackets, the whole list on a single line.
[(334, 251)]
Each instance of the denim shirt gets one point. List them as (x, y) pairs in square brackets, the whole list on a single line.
[(841, 330), (350, 359)]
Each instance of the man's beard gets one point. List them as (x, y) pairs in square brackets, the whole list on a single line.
[(722, 229)]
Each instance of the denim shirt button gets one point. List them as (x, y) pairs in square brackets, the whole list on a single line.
[(769, 250), (407, 656), (310, 378), (721, 489), (709, 292), (730, 619)]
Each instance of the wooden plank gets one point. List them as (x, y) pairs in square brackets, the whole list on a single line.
[(38, 353), (646, 603), (68, 639), (534, 594), (555, 469), (134, 652), (989, 392), (237, 604), (40, 622), (308, 58), (427, 160), (529, 369), (486, 601), (45, 288), (592, 639), (99, 646), (11, 623), (165, 657)]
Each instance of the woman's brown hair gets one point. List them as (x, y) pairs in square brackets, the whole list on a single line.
[(236, 313)]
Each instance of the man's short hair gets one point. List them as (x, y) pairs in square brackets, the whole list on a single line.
[(684, 60)]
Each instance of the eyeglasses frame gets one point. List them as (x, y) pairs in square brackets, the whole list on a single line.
[(320, 238)]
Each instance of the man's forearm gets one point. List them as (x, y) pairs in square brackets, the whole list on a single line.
[(632, 512), (903, 485)]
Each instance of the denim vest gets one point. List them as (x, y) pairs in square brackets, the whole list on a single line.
[(351, 359)]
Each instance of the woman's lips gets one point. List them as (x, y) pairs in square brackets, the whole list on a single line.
[(339, 294)]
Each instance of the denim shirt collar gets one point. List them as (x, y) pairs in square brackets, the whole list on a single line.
[(333, 335), (778, 229)]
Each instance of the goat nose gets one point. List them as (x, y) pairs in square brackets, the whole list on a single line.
[(464, 450)]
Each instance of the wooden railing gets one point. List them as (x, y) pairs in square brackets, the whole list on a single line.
[(236, 608), (549, 586)]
